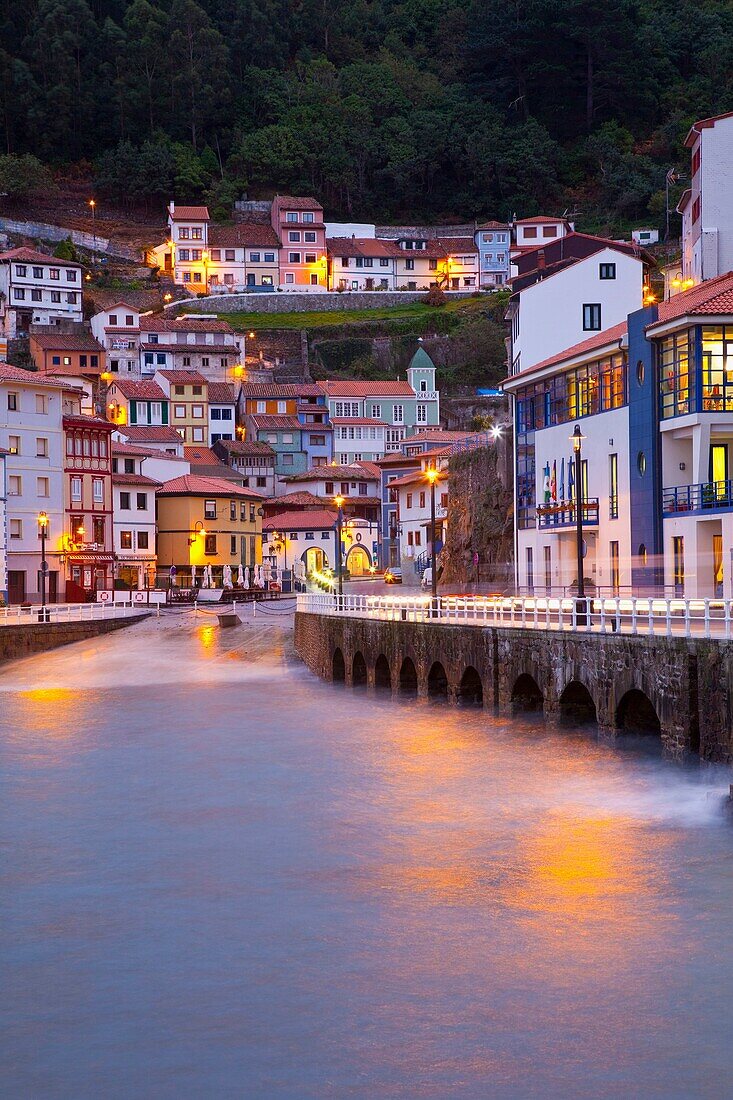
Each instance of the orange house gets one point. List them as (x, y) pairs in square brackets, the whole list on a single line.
[(75, 353)]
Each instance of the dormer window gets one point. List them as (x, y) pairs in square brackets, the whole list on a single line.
[(291, 216)]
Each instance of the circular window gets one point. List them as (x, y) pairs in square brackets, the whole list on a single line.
[(642, 554), (640, 372), (641, 463)]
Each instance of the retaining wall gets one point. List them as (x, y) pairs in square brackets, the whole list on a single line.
[(28, 638), (44, 232), (323, 302), (688, 681)]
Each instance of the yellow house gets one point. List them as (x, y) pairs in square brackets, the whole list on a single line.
[(187, 392), (208, 521)]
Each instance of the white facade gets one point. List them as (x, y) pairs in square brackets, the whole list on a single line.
[(359, 439), (412, 493), (3, 527), (38, 289), (572, 304), (31, 430), (306, 540), (134, 523), (118, 330), (707, 212)]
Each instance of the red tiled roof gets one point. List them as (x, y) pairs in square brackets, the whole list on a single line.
[(704, 124), (70, 419), (304, 520), (417, 477), (66, 341), (492, 225), (302, 498), (282, 390), (713, 298), (297, 202), (457, 244), (263, 421), (630, 247), (358, 420), (190, 213), (133, 479), (438, 435), (541, 219), (601, 339), (221, 393), (333, 473), (363, 246), (196, 485), (335, 387), (246, 447), (371, 468), (203, 456), (243, 235), (184, 377), (32, 256), (156, 322), (141, 432), (131, 449), (9, 373), (139, 389)]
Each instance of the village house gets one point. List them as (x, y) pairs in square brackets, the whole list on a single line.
[(411, 494), (74, 353), (88, 540), (133, 518), (308, 539), (493, 240), (222, 411), (117, 329), (186, 392), (707, 217), (36, 289), (450, 263), (202, 344), (254, 461), (243, 258), (155, 437), (358, 484), (361, 263), (136, 401), (298, 223)]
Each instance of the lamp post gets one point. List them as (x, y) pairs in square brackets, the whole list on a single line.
[(338, 500), (43, 531), (577, 440), (93, 204), (432, 475), (205, 258)]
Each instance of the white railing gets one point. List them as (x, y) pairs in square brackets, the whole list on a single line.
[(650, 616), (18, 615)]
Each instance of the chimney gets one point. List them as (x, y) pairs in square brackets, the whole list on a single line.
[(172, 206), (541, 260)]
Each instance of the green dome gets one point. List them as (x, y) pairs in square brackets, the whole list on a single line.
[(421, 359)]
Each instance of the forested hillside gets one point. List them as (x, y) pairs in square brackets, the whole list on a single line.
[(389, 109)]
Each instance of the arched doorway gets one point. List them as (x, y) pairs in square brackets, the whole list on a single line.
[(526, 694), (437, 682), (408, 677), (358, 561), (382, 673), (576, 703), (314, 559), (338, 667), (471, 690), (636, 714), (358, 670)]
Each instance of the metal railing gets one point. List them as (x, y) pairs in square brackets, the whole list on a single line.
[(703, 618), (705, 496), (25, 614), (562, 514)]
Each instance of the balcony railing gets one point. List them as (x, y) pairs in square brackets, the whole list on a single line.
[(563, 513), (708, 496)]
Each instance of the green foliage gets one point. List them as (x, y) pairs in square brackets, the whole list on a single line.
[(66, 250), (22, 177), (395, 109)]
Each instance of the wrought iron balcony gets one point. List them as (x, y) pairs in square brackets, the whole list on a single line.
[(707, 496), (562, 513)]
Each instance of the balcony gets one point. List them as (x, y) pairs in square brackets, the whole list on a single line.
[(708, 496), (562, 514)]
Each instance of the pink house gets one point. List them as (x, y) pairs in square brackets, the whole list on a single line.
[(298, 223)]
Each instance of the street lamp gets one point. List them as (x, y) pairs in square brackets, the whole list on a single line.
[(577, 440), (205, 258), (198, 530), (432, 474), (93, 204), (43, 531), (338, 500)]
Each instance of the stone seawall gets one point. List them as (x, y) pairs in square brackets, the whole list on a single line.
[(25, 639), (689, 682), (323, 302)]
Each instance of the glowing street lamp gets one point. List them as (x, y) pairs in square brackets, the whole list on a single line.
[(432, 474), (577, 440), (43, 532), (338, 500), (93, 204)]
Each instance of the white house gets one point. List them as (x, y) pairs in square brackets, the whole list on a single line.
[(361, 263), (222, 411), (37, 289), (554, 309), (255, 461), (118, 330), (707, 212), (31, 431), (3, 524), (133, 520), (357, 483), (190, 342), (309, 537), (412, 494), (530, 233)]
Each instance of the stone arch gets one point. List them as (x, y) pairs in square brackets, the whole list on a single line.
[(577, 704), (437, 681), (408, 677), (636, 713), (526, 694), (471, 689), (382, 673), (358, 669), (338, 667)]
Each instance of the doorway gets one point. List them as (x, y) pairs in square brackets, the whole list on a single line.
[(357, 561), (314, 559), (16, 586), (718, 565)]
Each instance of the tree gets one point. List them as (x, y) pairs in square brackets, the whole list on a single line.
[(199, 77), (23, 177)]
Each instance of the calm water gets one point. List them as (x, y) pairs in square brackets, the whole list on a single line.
[(253, 884)]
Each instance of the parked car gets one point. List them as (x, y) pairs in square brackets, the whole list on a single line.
[(393, 575)]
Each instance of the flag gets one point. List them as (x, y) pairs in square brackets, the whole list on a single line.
[(553, 481), (562, 479)]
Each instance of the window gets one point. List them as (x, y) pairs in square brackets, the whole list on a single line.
[(397, 414), (314, 280), (210, 544), (36, 296), (287, 460), (196, 254), (613, 486), (55, 296), (549, 230), (432, 265), (14, 486), (308, 217), (408, 501), (71, 297), (294, 236), (216, 255), (282, 407), (14, 444), (530, 232), (294, 257), (37, 272), (383, 262), (209, 509), (409, 265), (12, 401), (422, 413), (592, 318), (422, 500), (291, 216), (21, 270), (233, 544), (142, 501), (232, 509), (184, 255), (309, 238), (318, 440), (41, 447), (142, 540), (54, 273), (179, 411), (678, 554), (198, 435), (615, 568), (183, 233), (310, 258), (376, 412), (42, 487), (197, 411), (229, 255), (126, 540), (97, 490), (125, 502), (19, 294), (16, 529), (607, 271), (98, 529), (216, 414)]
